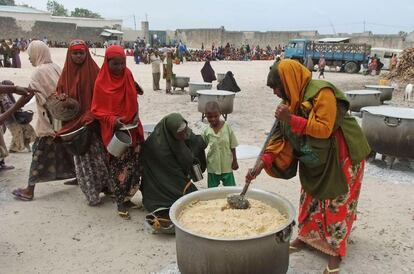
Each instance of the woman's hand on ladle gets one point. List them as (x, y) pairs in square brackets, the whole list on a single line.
[(252, 173)]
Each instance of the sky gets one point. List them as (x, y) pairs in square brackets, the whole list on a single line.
[(325, 16)]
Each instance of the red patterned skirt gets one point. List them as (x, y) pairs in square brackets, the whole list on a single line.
[(326, 224)]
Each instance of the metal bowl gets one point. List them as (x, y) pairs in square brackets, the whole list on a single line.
[(69, 136)]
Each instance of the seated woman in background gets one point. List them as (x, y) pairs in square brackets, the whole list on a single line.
[(115, 104), (167, 157), (77, 82), (228, 83), (207, 72)]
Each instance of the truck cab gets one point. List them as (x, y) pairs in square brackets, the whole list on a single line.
[(296, 49)]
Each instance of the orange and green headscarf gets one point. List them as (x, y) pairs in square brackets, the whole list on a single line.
[(292, 78)]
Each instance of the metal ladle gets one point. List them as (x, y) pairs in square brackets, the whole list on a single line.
[(239, 201)]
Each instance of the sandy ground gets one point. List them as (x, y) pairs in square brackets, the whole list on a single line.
[(59, 233)]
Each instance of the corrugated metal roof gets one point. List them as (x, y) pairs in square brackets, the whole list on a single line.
[(4, 8), (334, 39), (113, 31), (110, 32)]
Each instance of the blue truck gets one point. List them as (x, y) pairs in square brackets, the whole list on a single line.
[(338, 52)]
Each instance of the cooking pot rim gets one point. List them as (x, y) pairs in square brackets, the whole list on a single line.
[(362, 92), (390, 111), (215, 92), (230, 190), (201, 83), (379, 86)]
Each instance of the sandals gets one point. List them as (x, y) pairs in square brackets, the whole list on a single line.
[(124, 215), (123, 212), (335, 270), (18, 193)]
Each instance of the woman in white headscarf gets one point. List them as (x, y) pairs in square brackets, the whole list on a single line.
[(50, 160)]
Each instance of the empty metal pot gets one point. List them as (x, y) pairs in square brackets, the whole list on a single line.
[(180, 82), (389, 130), (194, 87), (267, 253), (386, 91), (362, 98), (220, 77), (225, 100)]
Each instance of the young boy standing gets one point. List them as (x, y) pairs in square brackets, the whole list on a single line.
[(221, 157)]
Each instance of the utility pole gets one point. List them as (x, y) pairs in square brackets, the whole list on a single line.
[(135, 23), (364, 25)]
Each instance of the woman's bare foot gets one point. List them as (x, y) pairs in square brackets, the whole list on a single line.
[(296, 245), (333, 265)]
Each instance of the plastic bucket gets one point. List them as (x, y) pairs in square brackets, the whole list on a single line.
[(119, 143)]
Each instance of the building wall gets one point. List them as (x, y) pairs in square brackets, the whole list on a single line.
[(54, 31), (195, 37), (46, 17)]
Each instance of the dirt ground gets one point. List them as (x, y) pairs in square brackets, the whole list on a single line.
[(59, 233)]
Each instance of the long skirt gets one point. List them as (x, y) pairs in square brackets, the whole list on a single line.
[(22, 136), (125, 174), (92, 171), (50, 162), (326, 224)]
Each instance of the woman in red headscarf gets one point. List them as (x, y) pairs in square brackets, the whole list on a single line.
[(115, 104), (77, 82)]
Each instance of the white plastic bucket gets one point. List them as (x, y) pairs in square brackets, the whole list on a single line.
[(119, 143)]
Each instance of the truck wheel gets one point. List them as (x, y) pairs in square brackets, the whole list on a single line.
[(351, 67)]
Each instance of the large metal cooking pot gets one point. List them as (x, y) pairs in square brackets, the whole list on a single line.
[(363, 98), (180, 82), (225, 99), (386, 91), (193, 87), (267, 253), (389, 130), (220, 77)]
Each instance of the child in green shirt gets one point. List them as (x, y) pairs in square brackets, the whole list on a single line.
[(221, 157)]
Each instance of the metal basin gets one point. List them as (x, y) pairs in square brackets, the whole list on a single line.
[(266, 253), (180, 82), (220, 77), (194, 87), (148, 129), (389, 130), (386, 91), (225, 99), (363, 98)]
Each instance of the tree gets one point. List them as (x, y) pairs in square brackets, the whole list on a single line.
[(7, 2), (56, 9), (81, 12)]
